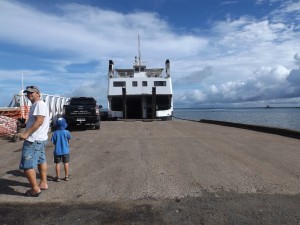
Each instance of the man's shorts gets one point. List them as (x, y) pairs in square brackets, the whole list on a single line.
[(62, 158), (33, 154)]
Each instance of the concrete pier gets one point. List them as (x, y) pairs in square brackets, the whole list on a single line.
[(163, 172)]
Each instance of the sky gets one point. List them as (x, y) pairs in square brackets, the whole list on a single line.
[(223, 53)]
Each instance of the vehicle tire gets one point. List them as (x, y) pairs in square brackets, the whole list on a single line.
[(97, 125)]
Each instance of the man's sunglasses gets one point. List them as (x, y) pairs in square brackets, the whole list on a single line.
[(32, 87)]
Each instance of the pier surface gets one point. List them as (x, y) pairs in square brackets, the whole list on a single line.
[(173, 172)]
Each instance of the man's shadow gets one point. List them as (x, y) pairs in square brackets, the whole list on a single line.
[(6, 185)]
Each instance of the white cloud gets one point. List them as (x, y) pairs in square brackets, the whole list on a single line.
[(288, 11), (266, 83), (237, 60), (294, 77), (291, 7), (191, 96), (297, 58), (228, 2), (90, 32), (195, 77)]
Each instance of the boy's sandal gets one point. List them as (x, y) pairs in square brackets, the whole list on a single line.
[(56, 179), (67, 178)]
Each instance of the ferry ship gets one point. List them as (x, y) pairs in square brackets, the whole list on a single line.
[(140, 93)]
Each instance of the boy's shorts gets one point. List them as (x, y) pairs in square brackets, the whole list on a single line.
[(33, 154), (62, 158)]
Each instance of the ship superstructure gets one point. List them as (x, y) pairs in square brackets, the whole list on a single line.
[(140, 93)]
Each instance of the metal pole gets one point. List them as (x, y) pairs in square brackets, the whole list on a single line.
[(153, 102), (124, 103)]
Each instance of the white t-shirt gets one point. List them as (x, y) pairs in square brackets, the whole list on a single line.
[(38, 108)]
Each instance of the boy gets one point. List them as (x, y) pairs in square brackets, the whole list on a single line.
[(60, 138)]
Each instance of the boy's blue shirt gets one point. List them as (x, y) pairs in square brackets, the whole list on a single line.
[(60, 138)]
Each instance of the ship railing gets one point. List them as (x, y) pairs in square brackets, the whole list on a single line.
[(154, 75), (149, 73)]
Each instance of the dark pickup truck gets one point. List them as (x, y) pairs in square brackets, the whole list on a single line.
[(82, 111)]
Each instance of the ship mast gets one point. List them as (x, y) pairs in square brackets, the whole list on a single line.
[(139, 47), (138, 67), (22, 82)]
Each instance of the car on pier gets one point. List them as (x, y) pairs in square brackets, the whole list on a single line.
[(82, 111)]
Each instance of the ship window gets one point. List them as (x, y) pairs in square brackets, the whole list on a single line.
[(136, 69), (142, 69), (145, 84), (134, 84), (119, 84), (160, 83)]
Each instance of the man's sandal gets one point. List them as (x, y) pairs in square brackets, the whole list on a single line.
[(29, 194)]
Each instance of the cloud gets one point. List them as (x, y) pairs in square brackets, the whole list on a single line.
[(291, 7), (229, 2), (88, 32), (195, 77), (294, 77), (268, 1), (266, 83), (247, 34), (288, 11), (297, 58), (232, 61)]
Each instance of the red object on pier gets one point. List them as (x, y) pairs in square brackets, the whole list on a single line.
[(8, 126)]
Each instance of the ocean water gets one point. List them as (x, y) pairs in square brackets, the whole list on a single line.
[(288, 118)]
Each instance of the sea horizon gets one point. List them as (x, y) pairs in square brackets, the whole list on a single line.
[(279, 117), (238, 107)]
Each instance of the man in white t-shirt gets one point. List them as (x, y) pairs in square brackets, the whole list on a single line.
[(35, 138)]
